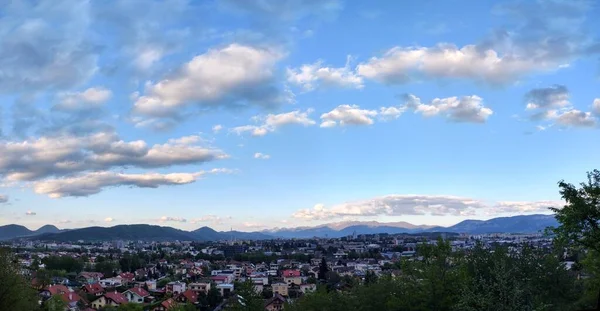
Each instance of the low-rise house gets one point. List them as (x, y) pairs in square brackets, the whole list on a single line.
[(276, 303), (222, 279), (280, 288), (89, 277), (71, 300), (189, 296), (93, 289), (109, 299), (166, 305), (291, 277), (307, 288), (175, 287), (200, 287), (111, 282), (225, 289), (136, 295)]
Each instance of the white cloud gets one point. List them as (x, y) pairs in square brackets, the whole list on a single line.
[(519, 207), (395, 205), (233, 75), (272, 122), (435, 205), (596, 107), (576, 118), (56, 156), (171, 219), (91, 98), (253, 225), (64, 221), (109, 219), (401, 65), (214, 219), (261, 156), (347, 115), (3, 198), (463, 109), (30, 213), (217, 128), (313, 76), (388, 113), (94, 182)]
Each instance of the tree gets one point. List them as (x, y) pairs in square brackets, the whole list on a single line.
[(579, 221), (55, 303), (130, 307), (246, 298), (15, 292), (323, 269)]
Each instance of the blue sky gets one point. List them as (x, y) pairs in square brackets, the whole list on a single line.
[(263, 114)]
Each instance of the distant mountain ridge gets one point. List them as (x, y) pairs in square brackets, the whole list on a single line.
[(13, 231), (513, 224)]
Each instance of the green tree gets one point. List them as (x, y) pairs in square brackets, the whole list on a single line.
[(15, 292), (323, 269), (246, 298), (579, 225), (55, 303), (130, 307)]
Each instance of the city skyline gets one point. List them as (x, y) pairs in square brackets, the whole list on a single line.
[(255, 115)]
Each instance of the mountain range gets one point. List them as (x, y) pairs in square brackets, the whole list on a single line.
[(514, 224)]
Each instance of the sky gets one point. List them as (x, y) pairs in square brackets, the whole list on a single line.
[(266, 114)]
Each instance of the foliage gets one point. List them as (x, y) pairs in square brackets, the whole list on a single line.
[(54, 304), (66, 263), (579, 223), (246, 298), (15, 292)]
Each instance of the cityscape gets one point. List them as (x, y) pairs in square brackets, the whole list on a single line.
[(299, 155)]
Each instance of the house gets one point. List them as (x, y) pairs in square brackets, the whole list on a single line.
[(222, 279), (127, 277), (166, 305), (52, 290), (93, 289), (292, 277), (111, 282), (189, 296), (90, 277), (280, 288), (109, 299), (136, 294), (225, 289), (175, 287), (276, 303), (71, 299), (306, 288), (200, 287)]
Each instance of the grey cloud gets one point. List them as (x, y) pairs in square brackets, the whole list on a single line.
[(34, 159), (463, 109), (395, 205), (30, 213), (556, 96), (552, 104), (92, 183), (43, 45), (3, 198)]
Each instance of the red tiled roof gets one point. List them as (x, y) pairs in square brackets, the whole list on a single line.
[(219, 277), (139, 291), (57, 289), (190, 296), (168, 304), (93, 288), (118, 298), (127, 275), (70, 297), (291, 273)]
